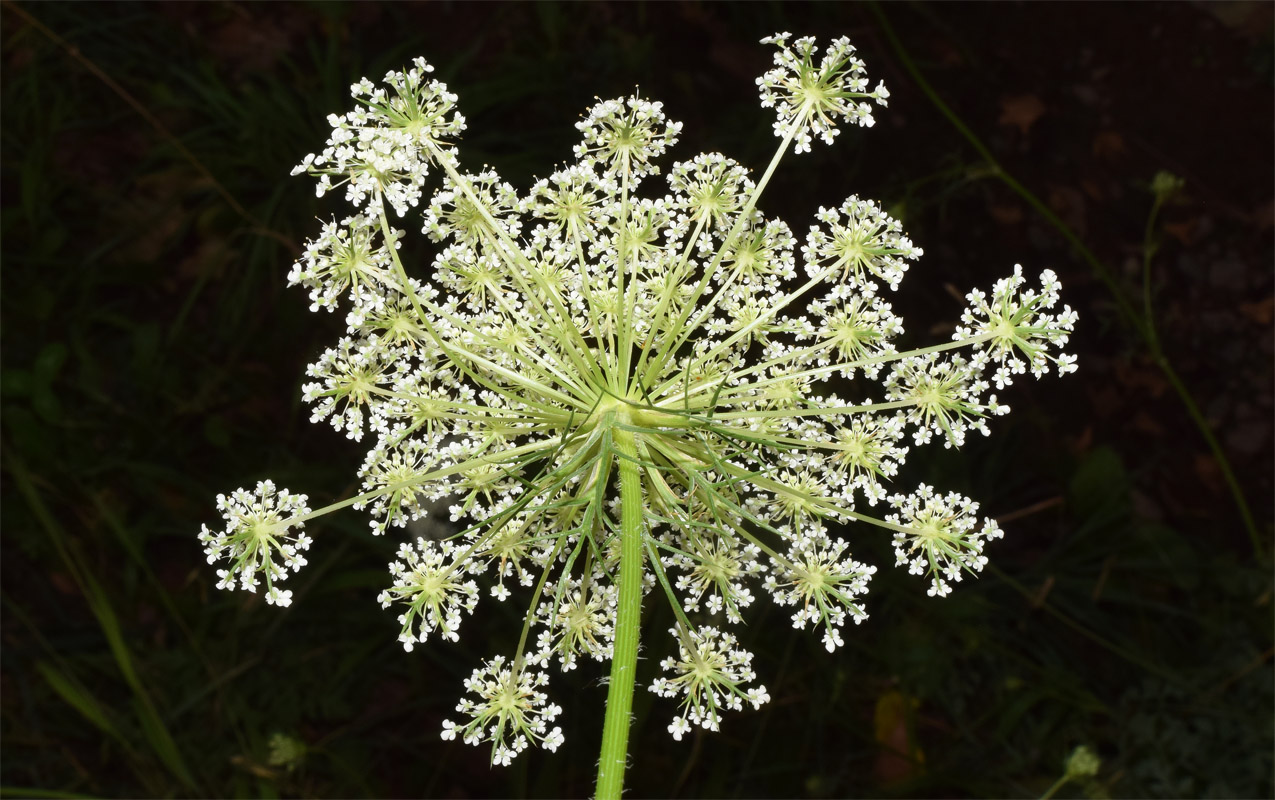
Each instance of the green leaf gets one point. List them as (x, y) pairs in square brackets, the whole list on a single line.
[(79, 698), (16, 382), (1100, 484), (161, 741), (49, 362), (46, 404), (216, 433), (99, 602)]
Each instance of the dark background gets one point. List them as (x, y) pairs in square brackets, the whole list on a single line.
[(152, 358)]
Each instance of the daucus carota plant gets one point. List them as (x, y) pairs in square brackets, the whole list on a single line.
[(613, 392)]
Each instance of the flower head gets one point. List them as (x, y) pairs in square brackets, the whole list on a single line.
[(580, 621), (1012, 329), (510, 711), (809, 98), (708, 675), (823, 585), (589, 383), (349, 257), (938, 536), (383, 149), (263, 538), (429, 581), (623, 137), (862, 242)]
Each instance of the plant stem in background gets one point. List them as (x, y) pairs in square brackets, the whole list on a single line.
[(1141, 322)]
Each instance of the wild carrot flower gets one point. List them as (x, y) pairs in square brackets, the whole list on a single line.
[(613, 393), (263, 538)]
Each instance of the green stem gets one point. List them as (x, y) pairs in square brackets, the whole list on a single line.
[(1140, 322), (1148, 250), (1052, 790), (615, 730)]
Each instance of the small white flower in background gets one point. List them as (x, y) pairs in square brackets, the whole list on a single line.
[(286, 751), (496, 382), (1083, 762)]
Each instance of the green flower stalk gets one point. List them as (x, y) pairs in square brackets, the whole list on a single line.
[(614, 388)]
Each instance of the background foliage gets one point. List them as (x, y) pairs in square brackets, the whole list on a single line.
[(151, 359)]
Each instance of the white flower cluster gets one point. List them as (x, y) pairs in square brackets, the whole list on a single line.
[(584, 331), (430, 581), (707, 674), (511, 712), (863, 242), (622, 138), (583, 623), (812, 99), (382, 151), (824, 585), (938, 536), (263, 537), (1011, 329)]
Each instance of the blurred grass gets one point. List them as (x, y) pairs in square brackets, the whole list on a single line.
[(151, 359)]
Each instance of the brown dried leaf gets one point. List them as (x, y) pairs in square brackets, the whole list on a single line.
[(1108, 144), (64, 583), (1070, 205), (1264, 215), (1145, 423), (1185, 232), (1261, 312), (1210, 475), (1021, 111), (1084, 442), (1007, 215), (899, 755), (1140, 377), (249, 42)]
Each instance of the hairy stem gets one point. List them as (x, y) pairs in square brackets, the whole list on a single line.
[(615, 730)]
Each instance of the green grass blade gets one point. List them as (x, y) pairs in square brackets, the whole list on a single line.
[(80, 699), (26, 791), (157, 734)]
